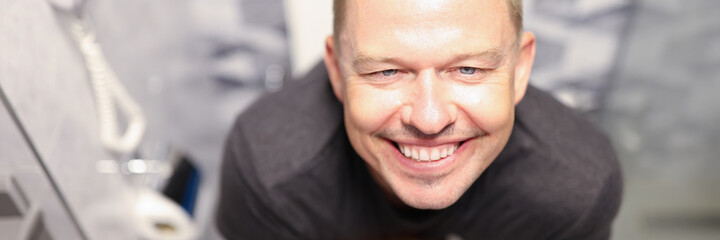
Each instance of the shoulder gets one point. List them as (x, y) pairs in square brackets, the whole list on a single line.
[(562, 167), (272, 161), (565, 138), (284, 131)]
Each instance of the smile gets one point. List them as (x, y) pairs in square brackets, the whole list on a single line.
[(424, 153)]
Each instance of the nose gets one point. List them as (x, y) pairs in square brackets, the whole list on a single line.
[(430, 109)]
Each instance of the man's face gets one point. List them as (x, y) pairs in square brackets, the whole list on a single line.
[(429, 89)]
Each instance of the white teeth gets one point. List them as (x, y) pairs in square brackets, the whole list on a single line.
[(405, 150), (419, 153), (424, 155), (434, 154)]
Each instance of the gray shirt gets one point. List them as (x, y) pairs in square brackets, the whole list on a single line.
[(289, 172)]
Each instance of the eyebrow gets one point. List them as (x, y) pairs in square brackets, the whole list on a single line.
[(364, 59), (494, 55)]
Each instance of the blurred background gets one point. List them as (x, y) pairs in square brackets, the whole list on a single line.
[(171, 76)]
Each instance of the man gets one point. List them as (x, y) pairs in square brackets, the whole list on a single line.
[(420, 134)]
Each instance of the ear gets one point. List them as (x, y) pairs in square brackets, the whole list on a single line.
[(523, 66), (332, 57)]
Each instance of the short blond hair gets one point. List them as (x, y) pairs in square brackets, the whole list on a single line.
[(515, 6)]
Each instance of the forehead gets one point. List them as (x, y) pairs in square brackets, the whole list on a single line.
[(423, 24)]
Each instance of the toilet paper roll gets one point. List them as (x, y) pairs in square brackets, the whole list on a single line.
[(159, 218)]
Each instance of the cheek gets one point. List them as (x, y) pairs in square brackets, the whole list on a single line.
[(488, 106), (369, 109)]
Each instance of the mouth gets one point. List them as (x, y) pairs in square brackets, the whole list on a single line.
[(425, 153)]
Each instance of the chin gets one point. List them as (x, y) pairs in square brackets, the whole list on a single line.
[(430, 198), (431, 205)]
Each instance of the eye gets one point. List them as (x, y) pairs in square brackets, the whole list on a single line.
[(389, 72), (467, 70), (469, 74), (384, 76)]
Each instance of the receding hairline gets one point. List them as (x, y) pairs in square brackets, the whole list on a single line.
[(514, 6)]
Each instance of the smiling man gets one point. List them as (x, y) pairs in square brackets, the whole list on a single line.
[(421, 125)]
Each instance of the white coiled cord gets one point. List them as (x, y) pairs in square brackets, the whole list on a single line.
[(108, 90)]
